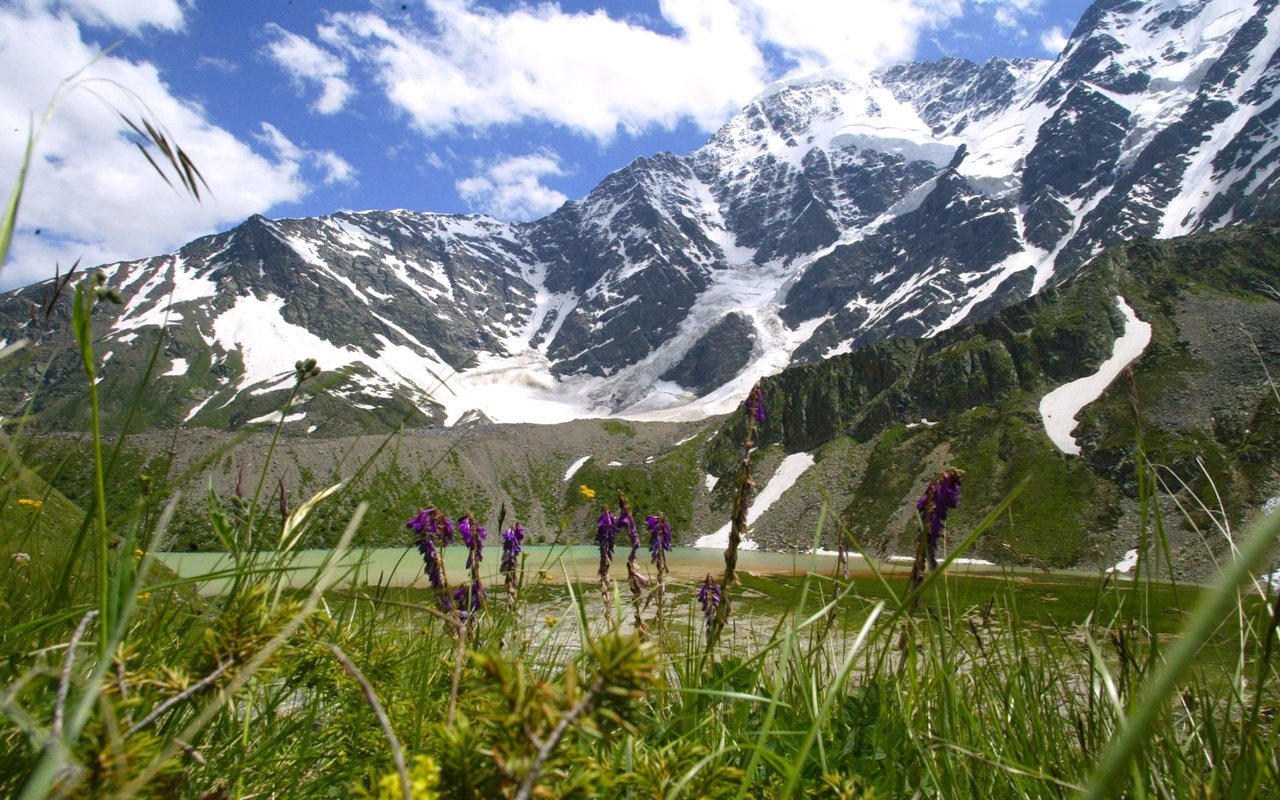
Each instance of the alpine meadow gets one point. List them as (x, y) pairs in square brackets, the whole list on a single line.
[(915, 434)]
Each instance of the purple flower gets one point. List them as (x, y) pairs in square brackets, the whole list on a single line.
[(940, 496), (512, 539), (469, 598), (425, 526), (626, 523), (430, 526), (420, 521), (606, 530), (755, 403), (709, 598), (431, 558), (659, 535), (473, 537), (430, 521)]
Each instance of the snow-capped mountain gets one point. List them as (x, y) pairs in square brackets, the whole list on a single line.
[(828, 214)]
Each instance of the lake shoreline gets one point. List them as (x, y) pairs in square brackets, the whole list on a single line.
[(401, 567)]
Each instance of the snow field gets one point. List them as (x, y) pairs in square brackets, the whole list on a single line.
[(784, 477), (1060, 407)]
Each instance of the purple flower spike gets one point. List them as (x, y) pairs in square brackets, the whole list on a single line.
[(420, 521), (429, 521), (940, 496), (431, 532), (709, 598), (606, 530), (659, 535), (512, 542), (626, 523), (469, 598), (431, 558)]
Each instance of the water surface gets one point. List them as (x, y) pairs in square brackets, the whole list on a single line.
[(401, 566)]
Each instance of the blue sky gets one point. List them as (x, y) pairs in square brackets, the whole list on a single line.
[(305, 107)]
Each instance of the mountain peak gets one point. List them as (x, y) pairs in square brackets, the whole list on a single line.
[(830, 213)]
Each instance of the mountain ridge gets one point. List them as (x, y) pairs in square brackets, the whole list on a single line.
[(828, 215), (868, 430)]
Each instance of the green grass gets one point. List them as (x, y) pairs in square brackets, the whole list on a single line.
[(666, 486), (116, 680), (1003, 685)]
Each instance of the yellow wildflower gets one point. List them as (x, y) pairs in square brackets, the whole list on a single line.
[(587, 491), (145, 596), (552, 621), (27, 502), (424, 781)]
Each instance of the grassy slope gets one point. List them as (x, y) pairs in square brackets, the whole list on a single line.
[(981, 385), (1203, 398)]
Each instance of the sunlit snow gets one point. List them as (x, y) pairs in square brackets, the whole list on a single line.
[(1126, 564), (574, 467), (784, 477), (1060, 407), (274, 417), (976, 562)]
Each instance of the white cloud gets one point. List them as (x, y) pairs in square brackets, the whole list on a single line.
[(128, 15), (308, 63), (855, 37), (476, 67), (586, 72), (1054, 40), (1010, 15), (511, 187), (336, 168), (333, 167), (223, 65), (89, 192)]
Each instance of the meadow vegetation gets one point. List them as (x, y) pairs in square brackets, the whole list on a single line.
[(118, 680)]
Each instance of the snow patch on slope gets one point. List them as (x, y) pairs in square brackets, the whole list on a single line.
[(574, 467), (784, 477), (275, 417), (143, 309), (1060, 407), (1126, 564)]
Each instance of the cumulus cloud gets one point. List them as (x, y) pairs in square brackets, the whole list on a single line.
[(89, 193), (307, 63), (1054, 40), (511, 187), (334, 167), (127, 15), (586, 72), (1011, 15), (474, 67), (850, 37)]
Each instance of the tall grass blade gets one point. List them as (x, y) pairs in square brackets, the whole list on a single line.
[(1214, 605)]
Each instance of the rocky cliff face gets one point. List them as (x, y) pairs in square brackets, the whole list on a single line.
[(828, 215), (874, 424), (1200, 405)]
